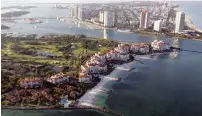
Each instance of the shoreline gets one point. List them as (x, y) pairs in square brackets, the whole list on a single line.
[(79, 102), (188, 21)]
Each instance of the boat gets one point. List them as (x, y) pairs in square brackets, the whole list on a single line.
[(124, 30), (109, 91), (35, 27), (131, 69), (118, 79)]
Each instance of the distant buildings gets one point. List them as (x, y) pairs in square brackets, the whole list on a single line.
[(72, 12), (80, 13), (109, 19), (101, 17), (144, 15), (76, 11), (158, 25), (179, 22)]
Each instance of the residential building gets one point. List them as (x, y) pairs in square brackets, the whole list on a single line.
[(31, 83), (76, 11), (106, 33), (109, 19), (160, 45), (80, 13), (72, 12), (58, 78), (101, 17), (144, 16), (179, 22), (158, 25), (142, 48)]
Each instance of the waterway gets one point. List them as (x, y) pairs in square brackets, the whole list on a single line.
[(167, 84)]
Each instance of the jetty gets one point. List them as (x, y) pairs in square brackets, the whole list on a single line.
[(104, 110)]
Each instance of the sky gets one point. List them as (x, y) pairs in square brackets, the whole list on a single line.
[(80, 1)]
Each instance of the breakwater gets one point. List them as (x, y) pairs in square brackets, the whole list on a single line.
[(78, 107)]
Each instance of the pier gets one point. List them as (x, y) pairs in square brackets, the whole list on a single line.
[(122, 68), (107, 111)]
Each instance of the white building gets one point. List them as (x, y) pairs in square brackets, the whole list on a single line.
[(109, 19), (142, 48), (72, 12), (160, 45), (106, 33), (76, 11), (146, 19), (144, 16), (58, 78), (158, 25), (179, 22), (80, 13), (101, 17)]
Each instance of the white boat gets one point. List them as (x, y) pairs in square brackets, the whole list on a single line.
[(124, 30), (35, 27)]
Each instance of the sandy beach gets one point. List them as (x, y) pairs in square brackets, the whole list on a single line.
[(188, 21)]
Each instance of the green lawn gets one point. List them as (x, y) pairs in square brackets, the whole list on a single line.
[(80, 49), (40, 59), (8, 53)]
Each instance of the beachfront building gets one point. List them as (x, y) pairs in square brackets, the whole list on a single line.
[(135, 48), (109, 19), (122, 48), (124, 56), (85, 77), (144, 16), (111, 55), (31, 83), (101, 17), (96, 64), (58, 78), (158, 25), (179, 22), (139, 48), (144, 48), (160, 45)]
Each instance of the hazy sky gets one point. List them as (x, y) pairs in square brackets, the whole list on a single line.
[(81, 1)]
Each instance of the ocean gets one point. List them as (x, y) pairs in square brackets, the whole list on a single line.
[(167, 84)]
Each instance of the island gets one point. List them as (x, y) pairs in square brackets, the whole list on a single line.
[(14, 13), (4, 27), (46, 72), (18, 7)]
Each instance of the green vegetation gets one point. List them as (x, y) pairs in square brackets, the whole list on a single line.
[(27, 58), (4, 27), (14, 13)]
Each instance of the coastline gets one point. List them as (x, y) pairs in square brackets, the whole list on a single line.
[(112, 62), (188, 21)]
